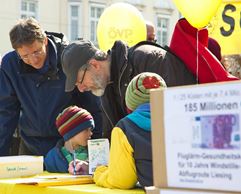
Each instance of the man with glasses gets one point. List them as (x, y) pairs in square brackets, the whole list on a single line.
[(32, 90), (108, 74)]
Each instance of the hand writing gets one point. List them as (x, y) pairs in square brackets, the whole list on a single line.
[(81, 167)]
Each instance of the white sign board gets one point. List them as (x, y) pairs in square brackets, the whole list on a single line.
[(201, 127)]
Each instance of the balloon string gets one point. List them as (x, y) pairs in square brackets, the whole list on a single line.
[(197, 61)]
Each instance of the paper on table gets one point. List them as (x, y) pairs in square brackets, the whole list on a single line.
[(18, 166), (56, 180)]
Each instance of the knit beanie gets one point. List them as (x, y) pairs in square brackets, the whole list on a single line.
[(138, 90), (72, 121)]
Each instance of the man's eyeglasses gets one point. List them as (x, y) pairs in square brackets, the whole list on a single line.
[(83, 77), (37, 53)]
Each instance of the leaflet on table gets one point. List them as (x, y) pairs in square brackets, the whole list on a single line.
[(202, 137), (98, 150), (16, 166), (56, 180)]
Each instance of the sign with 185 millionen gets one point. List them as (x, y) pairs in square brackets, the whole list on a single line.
[(202, 136)]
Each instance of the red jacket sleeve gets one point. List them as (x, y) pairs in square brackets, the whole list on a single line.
[(184, 45)]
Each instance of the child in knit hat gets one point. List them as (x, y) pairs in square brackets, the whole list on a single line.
[(130, 153), (75, 125)]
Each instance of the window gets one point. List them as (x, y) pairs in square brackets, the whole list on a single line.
[(75, 29), (74, 22), (95, 12), (29, 8), (162, 30)]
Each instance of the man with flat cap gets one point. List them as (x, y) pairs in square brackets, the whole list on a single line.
[(108, 74)]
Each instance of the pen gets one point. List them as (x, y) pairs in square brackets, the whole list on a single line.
[(74, 163)]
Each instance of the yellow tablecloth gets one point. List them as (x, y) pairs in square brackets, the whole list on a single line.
[(9, 186)]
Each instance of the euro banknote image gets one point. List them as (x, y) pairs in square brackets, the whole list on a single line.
[(216, 131)]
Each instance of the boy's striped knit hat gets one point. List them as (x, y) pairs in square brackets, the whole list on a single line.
[(138, 90), (73, 120)]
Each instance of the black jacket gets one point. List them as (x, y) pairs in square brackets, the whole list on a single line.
[(126, 63)]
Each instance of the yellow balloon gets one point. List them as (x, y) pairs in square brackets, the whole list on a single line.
[(198, 12), (120, 21)]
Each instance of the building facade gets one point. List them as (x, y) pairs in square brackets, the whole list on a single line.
[(79, 18)]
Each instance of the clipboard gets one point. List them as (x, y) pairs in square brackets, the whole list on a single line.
[(56, 180)]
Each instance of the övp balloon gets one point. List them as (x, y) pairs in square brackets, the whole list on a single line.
[(120, 21)]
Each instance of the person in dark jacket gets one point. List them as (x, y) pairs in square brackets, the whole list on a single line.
[(108, 74), (32, 90), (75, 125)]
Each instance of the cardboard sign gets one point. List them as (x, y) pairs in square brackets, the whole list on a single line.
[(155, 190), (196, 136)]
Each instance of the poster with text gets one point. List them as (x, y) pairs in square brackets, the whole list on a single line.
[(203, 146)]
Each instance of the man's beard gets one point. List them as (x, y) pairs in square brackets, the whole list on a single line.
[(100, 85), (98, 92)]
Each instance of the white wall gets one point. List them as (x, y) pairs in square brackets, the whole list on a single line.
[(53, 16)]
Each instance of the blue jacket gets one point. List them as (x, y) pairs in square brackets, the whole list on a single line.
[(32, 100), (55, 160)]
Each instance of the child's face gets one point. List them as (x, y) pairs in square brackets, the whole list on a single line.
[(81, 138)]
